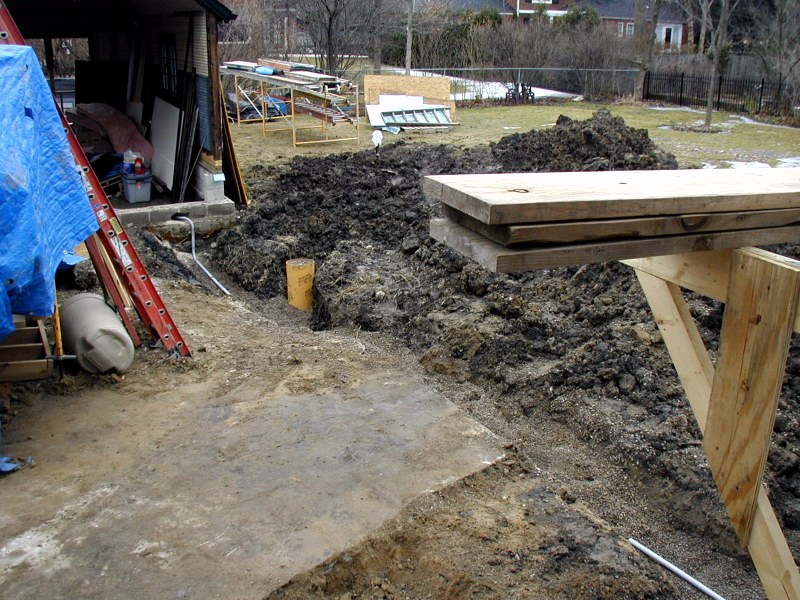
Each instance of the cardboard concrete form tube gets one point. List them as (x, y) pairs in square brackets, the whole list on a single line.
[(300, 282)]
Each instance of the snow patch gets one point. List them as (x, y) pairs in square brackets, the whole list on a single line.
[(36, 548), (486, 89), (677, 108)]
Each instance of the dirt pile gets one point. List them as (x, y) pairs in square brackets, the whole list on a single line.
[(575, 344), (317, 203), (603, 143)]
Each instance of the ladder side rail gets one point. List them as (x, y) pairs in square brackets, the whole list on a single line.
[(147, 302)]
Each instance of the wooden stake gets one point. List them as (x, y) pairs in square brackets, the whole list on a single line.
[(56, 321)]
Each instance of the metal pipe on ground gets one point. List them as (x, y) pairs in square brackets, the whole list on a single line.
[(668, 565), (183, 217)]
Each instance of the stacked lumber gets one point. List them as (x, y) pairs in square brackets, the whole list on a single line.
[(332, 115), (523, 221), (24, 354), (304, 73)]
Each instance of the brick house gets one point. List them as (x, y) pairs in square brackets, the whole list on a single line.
[(671, 30)]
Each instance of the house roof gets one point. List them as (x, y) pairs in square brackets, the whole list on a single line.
[(79, 18), (218, 8), (626, 10)]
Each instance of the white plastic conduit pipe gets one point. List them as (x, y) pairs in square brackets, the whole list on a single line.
[(180, 217), (668, 565)]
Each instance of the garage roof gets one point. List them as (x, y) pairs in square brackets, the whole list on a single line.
[(79, 18)]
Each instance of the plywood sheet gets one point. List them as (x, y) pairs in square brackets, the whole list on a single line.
[(164, 137), (435, 90), (500, 259), (516, 198)]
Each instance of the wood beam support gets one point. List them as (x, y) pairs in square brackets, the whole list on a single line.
[(735, 405), (706, 273), (683, 341), (754, 344)]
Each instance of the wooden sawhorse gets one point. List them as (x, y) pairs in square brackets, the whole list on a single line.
[(736, 402), (693, 225)]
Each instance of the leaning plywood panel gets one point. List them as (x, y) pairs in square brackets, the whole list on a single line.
[(511, 198), (166, 120)]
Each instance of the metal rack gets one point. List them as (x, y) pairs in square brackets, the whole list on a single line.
[(301, 97)]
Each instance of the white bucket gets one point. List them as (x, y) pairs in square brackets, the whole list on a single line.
[(95, 334)]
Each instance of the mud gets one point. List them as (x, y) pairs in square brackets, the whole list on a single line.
[(572, 344), (535, 543)]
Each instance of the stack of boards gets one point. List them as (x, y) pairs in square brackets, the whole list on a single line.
[(524, 221)]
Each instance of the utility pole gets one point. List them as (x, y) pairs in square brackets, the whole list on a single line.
[(409, 36), (377, 31)]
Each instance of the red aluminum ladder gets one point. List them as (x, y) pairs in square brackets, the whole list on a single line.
[(113, 240)]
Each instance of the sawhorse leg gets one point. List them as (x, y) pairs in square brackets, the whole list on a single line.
[(735, 404)]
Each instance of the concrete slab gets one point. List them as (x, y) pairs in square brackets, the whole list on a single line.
[(241, 492), (209, 215)]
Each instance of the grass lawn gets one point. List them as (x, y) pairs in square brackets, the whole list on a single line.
[(738, 139)]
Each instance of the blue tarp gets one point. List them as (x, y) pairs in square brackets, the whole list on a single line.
[(44, 210)]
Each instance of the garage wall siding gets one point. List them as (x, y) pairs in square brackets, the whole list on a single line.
[(198, 60), (179, 26)]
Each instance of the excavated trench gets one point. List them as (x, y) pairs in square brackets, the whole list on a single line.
[(577, 344)]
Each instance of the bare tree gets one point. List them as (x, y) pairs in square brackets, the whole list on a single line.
[(777, 45), (377, 36), (702, 38), (649, 46), (716, 16), (512, 50), (383, 20), (521, 54), (262, 28), (441, 35), (337, 30), (442, 38), (66, 52), (409, 35), (644, 42), (639, 22), (690, 8), (593, 53)]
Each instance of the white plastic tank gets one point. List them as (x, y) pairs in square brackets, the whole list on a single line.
[(94, 333)]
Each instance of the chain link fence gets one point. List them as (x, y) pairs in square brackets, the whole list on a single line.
[(521, 84)]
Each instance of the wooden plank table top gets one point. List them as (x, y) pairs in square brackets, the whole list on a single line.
[(565, 232), (501, 259), (512, 198)]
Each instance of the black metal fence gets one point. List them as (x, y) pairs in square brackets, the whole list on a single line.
[(735, 95)]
